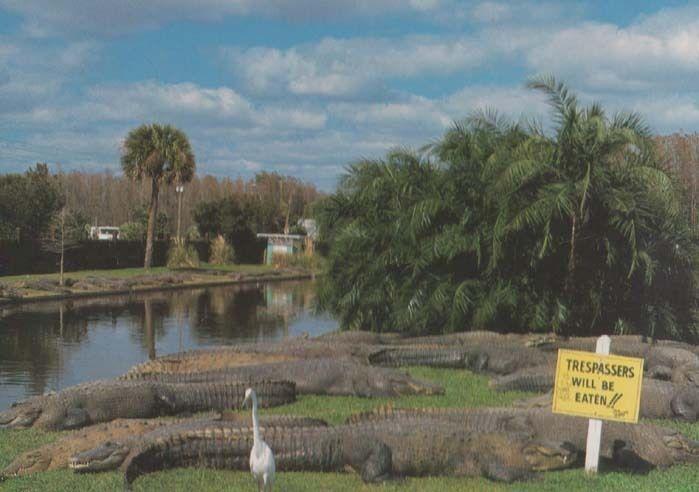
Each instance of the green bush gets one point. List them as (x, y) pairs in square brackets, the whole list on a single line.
[(132, 231), (221, 252), (192, 233), (182, 255)]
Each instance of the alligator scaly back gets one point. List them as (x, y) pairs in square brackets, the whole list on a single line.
[(103, 401), (410, 447)]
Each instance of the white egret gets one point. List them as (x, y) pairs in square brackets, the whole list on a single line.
[(261, 456)]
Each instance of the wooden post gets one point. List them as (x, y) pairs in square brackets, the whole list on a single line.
[(594, 429)]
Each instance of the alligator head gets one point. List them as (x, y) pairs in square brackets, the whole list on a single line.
[(475, 360), (108, 456), (685, 403), (549, 455), (27, 463), (687, 449), (19, 417), (399, 383)]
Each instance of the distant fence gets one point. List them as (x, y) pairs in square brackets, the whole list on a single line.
[(18, 258), (25, 257)]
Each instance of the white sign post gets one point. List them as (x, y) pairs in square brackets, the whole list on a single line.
[(594, 429)]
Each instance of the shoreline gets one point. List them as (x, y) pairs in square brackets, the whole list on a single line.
[(231, 278)]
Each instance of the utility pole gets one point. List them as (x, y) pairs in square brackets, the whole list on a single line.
[(179, 189)]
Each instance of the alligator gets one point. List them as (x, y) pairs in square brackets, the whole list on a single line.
[(639, 446), (102, 401), (109, 454), (360, 337), (422, 355), (536, 379), (659, 353), (378, 450), (57, 454), (316, 376), (478, 351), (464, 338), (254, 354), (478, 356), (659, 400), (506, 358)]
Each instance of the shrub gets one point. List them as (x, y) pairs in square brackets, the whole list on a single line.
[(132, 231), (182, 255), (221, 252), (193, 233)]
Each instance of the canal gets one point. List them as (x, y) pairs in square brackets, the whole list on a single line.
[(48, 346)]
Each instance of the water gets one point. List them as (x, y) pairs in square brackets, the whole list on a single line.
[(49, 346)]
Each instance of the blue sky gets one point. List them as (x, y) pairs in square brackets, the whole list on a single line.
[(305, 87)]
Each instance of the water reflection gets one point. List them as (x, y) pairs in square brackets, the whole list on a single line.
[(49, 346)]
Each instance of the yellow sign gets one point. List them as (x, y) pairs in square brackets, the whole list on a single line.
[(606, 387)]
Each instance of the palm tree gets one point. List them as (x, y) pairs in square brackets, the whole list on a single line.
[(162, 154), (594, 193)]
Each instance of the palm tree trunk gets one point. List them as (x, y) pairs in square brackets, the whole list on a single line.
[(571, 258), (152, 214)]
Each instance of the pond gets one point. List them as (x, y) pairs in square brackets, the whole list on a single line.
[(51, 345)]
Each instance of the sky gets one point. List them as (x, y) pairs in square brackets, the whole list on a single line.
[(306, 87)]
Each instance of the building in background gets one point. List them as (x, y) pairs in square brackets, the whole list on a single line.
[(104, 233)]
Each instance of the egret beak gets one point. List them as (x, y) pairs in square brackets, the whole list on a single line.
[(245, 401)]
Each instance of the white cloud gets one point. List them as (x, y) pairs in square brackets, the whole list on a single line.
[(31, 74), (149, 100), (659, 51), (310, 109), (350, 67), (100, 17)]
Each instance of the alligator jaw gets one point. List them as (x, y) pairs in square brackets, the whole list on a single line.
[(108, 456), (678, 442), (16, 418), (544, 456)]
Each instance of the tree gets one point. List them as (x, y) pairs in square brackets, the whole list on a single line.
[(29, 202), (163, 155), (604, 215), (231, 219), (68, 230)]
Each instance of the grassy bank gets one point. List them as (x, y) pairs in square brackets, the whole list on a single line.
[(86, 283), (122, 273), (462, 389)]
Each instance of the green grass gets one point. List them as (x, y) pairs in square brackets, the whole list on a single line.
[(462, 389), (134, 272)]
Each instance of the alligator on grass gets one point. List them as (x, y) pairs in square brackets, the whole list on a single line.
[(314, 376), (659, 400), (376, 450), (57, 454), (252, 354), (537, 379), (102, 440), (110, 454), (102, 401), (639, 446)]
